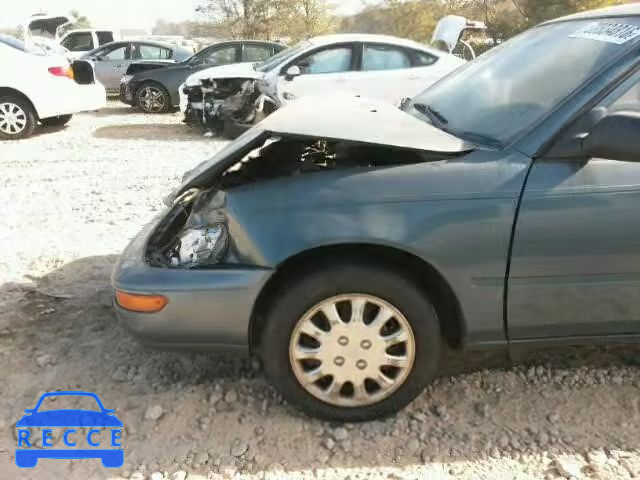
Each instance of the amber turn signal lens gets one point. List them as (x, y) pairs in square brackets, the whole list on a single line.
[(141, 303)]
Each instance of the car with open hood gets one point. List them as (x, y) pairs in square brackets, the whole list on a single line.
[(146, 80), (241, 95), (347, 244), (41, 30)]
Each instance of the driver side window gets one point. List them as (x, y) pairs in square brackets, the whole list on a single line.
[(330, 60), (117, 54), (218, 56)]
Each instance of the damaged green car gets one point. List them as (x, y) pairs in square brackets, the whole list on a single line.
[(346, 247)]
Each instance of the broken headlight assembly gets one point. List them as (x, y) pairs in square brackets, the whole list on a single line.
[(193, 234), (200, 245)]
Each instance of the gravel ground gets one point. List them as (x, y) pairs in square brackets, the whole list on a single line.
[(70, 200)]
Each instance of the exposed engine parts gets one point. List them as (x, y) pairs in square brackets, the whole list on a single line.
[(228, 106)]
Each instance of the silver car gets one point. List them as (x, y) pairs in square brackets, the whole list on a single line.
[(112, 60)]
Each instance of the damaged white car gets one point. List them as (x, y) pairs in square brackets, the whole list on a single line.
[(230, 99)]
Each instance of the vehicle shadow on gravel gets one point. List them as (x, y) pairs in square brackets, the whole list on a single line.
[(168, 132), (215, 412), (111, 110)]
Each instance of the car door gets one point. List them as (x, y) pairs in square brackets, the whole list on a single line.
[(112, 63), (575, 268), (386, 73), (216, 55), (322, 70)]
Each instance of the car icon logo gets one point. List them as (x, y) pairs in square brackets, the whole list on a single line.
[(103, 429)]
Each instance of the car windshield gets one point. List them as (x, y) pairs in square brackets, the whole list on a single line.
[(513, 87), (281, 57)]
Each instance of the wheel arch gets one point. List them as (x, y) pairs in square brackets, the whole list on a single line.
[(12, 91), (428, 279)]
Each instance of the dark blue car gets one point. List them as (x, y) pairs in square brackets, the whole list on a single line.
[(96, 420)]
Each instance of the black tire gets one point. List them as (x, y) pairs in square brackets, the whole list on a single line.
[(58, 121), (143, 89), (29, 114), (302, 294)]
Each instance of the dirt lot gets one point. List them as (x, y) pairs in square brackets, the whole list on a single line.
[(69, 202)]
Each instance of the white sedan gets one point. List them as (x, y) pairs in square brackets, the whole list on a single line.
[(37, 87), (372, 66)]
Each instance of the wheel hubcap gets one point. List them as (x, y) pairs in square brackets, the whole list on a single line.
[(151, 99), (13, 120), (352, 350)]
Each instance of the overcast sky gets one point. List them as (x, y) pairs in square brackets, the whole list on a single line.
[(123, 13)]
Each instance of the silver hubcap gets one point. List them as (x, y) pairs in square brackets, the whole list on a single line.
[(151, 99), (13, 120), (352, 350)]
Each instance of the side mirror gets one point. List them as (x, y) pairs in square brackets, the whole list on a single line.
[(293, 72), (615, 137)]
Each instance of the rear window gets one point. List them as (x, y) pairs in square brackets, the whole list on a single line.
[(104, 37)]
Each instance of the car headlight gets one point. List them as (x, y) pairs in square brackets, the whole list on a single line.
[(201, 245), (126, 78)]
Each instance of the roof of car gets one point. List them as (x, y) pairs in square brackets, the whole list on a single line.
[(372, 38), (608, 12), (155, 43), (262, 42)]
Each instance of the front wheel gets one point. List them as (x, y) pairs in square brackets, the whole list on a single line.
[(58, 121), (351, 342), (152, 98), (17, 118)]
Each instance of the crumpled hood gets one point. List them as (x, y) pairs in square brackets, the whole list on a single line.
[(233, 70), (346, 117), (349, 117)]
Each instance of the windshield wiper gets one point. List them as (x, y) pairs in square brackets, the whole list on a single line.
[(477, 138), (431, 112)]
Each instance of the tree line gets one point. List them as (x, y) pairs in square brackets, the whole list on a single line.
[(293, 20), (298, 19)]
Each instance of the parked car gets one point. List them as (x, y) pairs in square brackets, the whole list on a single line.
[(43, 29), (45, 88), (375, 66), (346, 244), (153, 87), (112, 60)]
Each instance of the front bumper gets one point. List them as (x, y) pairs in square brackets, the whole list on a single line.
[(207, 309), (127, 94)]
